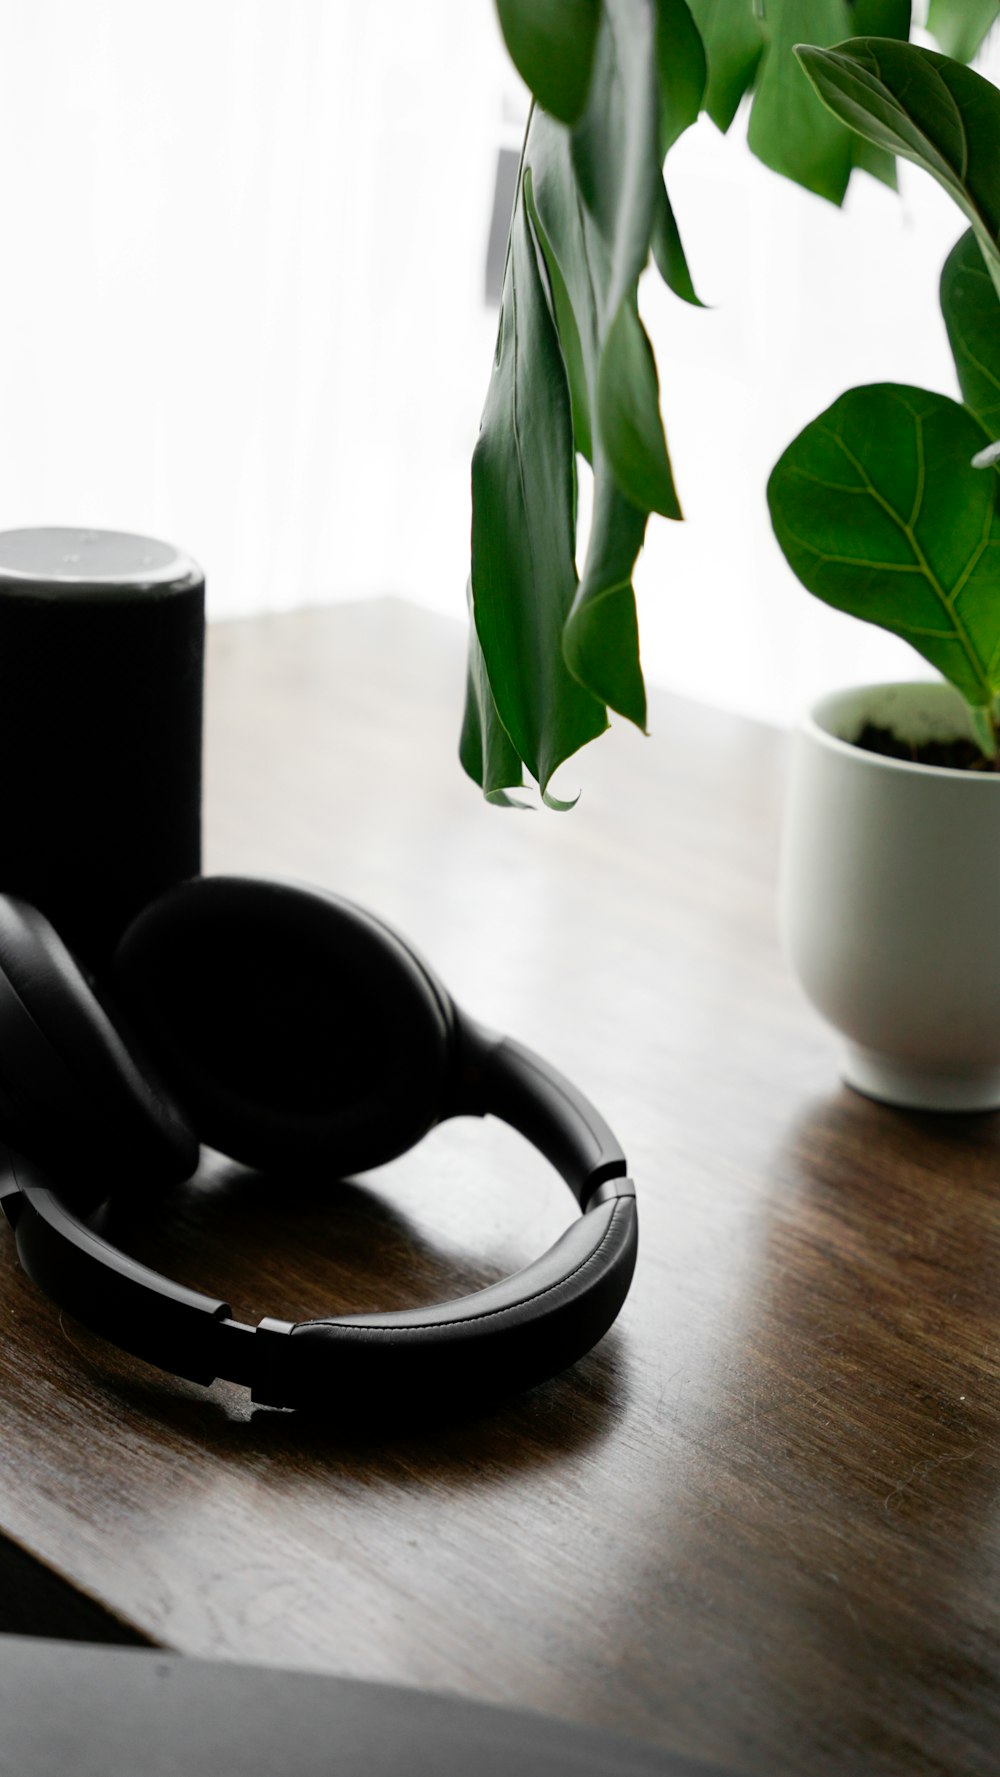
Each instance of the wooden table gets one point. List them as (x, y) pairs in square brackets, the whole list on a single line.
[(761, 1523)]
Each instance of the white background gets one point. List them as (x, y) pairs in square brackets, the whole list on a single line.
[(242, 308)]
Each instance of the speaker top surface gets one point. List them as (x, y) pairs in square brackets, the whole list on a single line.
[(58, 561)]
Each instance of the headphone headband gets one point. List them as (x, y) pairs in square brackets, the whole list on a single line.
[(506, 1337)]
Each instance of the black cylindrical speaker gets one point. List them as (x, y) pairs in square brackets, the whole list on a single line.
[(101, 671)]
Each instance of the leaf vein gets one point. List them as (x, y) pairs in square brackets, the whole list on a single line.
[(962, 635), (918, 497), (836, 487)]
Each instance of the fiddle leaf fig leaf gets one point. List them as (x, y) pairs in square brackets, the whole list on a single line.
[(959, 25), (917, 103), (877, 18), (880, 514), (551, 44), (971, 311), (523, 519)]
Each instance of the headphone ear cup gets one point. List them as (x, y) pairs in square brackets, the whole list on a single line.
[(75, 1095), (293, 1026)]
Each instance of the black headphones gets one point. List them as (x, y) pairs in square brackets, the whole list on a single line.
[(291, 1025)]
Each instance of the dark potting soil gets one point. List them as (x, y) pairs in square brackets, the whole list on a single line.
[(957, 755)]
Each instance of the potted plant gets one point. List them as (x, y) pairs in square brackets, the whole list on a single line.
[(886, 507), (553, 646)]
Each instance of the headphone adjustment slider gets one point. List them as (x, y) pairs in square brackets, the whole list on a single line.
[(271, 1351), (607, 1190), (252, 1355)]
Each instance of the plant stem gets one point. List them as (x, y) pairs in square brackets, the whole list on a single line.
[(984, 722)]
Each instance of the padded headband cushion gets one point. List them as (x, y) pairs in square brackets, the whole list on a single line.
[(293, 1026), (82, 1099)]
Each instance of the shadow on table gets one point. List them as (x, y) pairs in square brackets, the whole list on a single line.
[(312, 1248)]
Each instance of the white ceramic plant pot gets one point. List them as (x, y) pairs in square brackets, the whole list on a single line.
[(890, 900)]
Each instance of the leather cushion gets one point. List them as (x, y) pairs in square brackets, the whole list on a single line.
[(84, 1103), (293, 1026)]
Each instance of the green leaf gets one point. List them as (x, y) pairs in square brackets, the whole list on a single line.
[(601, 640), (959, 25), (615, 156), (971, 312), (680, 60), (597, 194), (601, 637), (616, 143), (573, 296), (734, 43), (876, 161), (668, 251), (919, 104), (749, 44), (752, 41), (878, 18), (523, 569), (485, 748), (880, 514), (574, 371), (551, 44), (628, 414), (788, 131)]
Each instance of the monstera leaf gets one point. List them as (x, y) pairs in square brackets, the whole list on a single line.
[(551, 44), (523, 538), (574, 371)]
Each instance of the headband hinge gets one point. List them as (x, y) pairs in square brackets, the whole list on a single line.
[(255, 1356)]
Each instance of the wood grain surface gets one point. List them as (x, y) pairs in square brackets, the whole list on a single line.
[(761, 1523)]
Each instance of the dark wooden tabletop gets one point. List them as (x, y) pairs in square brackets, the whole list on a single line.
[(761, 1522)]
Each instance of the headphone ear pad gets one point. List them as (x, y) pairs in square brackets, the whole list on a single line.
[(293, 1026), (76, 1095)]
